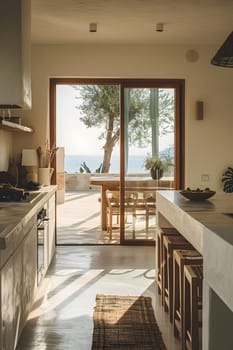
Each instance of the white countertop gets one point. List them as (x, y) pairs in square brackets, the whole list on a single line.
[(14, 215), (207, 227), (213, 214)]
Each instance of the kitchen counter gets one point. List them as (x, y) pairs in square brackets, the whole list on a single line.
[(208, 226), (191, 217), (15, 215), (25, 255)]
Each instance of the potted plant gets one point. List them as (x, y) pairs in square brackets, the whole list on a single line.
[(158, 165), (227, 180), (155, 165)]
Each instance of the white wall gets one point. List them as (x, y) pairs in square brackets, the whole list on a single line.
[(209, 143)]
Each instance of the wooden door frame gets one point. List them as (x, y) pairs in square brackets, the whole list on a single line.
[(177, 84)]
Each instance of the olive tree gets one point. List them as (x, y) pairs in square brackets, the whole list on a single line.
[(99, 106)]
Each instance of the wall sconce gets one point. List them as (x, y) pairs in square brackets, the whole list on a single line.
[(199, 110), (224, 56)]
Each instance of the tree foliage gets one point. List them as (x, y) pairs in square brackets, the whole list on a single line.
[(99, 106)]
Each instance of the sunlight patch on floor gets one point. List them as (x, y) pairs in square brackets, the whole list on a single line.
[(64, 293)]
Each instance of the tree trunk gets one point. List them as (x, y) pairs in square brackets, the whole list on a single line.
[(106, 161), (111, 140)]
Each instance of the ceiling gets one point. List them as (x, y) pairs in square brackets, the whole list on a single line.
[(188, 22)]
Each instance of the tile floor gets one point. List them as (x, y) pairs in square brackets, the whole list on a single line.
[(61, 318)]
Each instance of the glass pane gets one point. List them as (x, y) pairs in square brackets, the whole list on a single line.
[(149, 156), (88, 124)]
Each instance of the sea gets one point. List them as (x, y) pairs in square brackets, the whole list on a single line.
[(73, 163)]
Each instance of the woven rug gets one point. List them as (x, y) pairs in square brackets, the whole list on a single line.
[(125, 323)]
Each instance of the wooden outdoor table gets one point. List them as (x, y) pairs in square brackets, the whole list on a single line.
[(137, 183)]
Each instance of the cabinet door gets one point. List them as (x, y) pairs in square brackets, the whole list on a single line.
[(11, 296), (7, 306), (51, 228), (18, 280), (17, 294), (29, 274)]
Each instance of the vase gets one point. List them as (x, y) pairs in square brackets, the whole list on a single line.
[(44, 175), (156, 173)]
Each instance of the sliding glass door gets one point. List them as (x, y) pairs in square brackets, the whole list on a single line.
[(140, 123), (149, 156)]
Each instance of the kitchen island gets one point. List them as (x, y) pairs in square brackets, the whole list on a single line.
[(208, 226)]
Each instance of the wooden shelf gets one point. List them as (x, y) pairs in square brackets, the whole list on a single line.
[(14, 127)]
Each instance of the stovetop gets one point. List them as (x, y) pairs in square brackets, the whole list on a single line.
[(24, 197)]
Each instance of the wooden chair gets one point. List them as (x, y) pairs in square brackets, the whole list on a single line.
[(150, 202), (161, 232), (170, 243), (133, 206), (193, 276), (181, 258), (113, 208), (141, 208), (145, 205)]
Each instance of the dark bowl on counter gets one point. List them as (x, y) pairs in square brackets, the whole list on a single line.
[(197, 195)]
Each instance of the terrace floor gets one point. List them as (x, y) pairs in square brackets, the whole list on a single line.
[(78, 221)]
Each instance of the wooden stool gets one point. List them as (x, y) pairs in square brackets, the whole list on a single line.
[(170, 243), (181, 258), (193, 276), (161, 232)]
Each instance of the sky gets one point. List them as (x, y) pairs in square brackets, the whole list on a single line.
[(75, 137), (71, 132)]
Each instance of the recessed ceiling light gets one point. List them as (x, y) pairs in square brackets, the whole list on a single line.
[(93, 27), (159, 27)]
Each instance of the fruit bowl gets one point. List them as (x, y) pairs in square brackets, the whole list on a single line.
[(197, 195)]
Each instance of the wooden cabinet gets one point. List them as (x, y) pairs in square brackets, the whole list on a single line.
[(15, 67), (6, 305), (18, 275), (17, 287)]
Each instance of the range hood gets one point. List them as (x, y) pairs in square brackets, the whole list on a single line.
[(15, 33)]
